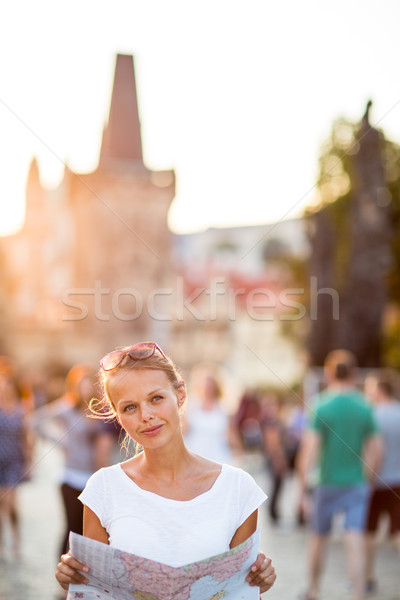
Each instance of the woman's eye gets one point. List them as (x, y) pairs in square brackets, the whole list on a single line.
[(156, 398), (129, 408)]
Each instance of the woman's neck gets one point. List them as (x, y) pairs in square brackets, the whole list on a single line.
[(336, 384), (165, 463)]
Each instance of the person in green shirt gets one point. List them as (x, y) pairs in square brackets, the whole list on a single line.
[(344, 441)]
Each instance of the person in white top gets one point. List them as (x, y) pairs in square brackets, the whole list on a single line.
[(207, 426), (165, 503), (87, 444)]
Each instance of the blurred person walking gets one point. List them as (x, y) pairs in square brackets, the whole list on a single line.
[(87, 443), (15, 451), (381, 388), (207, 427), (277, 463), (247, 421), (281, 441), (344, 438)]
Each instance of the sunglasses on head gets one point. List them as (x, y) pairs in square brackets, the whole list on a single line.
[(139, 351)]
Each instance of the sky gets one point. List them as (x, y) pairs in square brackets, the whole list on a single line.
[(236, 96)]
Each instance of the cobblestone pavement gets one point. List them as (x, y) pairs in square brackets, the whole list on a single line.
[(31, 577)]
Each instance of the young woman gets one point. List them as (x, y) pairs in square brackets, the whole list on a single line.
[(87, 444), (207, 428), (166, 503)]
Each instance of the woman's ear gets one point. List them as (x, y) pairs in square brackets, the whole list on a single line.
[(181, 394)]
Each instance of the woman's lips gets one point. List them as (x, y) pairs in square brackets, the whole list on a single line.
[(152, 430)]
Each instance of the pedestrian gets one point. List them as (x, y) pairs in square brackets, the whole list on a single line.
[(273, 445), (343, 431), (194, 507), (15, 452), (281, 441), (207, 426), (295, 426), (380, 387), (86, 443), (247, 421)]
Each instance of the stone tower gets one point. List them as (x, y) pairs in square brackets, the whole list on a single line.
[(122, 138), (90, 254)]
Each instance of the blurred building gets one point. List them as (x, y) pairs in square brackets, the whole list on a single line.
[(243, 306), (95, 266), (91, 250)]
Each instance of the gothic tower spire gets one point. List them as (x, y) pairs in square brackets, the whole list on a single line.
[(121, 136)]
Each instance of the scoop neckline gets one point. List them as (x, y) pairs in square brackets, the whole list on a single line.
[(172, 500)]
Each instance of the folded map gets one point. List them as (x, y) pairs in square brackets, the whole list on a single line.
[(118, 575)]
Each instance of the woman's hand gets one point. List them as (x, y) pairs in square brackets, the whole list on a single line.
[(67, 571), (262, 573)]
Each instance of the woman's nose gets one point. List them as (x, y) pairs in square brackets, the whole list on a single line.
[(147, 413)]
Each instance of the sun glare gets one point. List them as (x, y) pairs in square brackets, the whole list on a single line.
[(12, 208)]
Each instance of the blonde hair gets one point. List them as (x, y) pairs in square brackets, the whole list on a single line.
[(104, 408)]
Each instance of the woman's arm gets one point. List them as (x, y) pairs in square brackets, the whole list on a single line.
[(246, 529), (92, 528), (68, 567), (261, 573), (48, 421)]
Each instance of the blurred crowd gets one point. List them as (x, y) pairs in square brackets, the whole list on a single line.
[(278, 428), (56, 410)]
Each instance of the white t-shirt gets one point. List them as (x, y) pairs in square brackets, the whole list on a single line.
[(174, 532), (207, 433)]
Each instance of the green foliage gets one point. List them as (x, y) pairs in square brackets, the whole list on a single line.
[(391, 343), (335, 182), (392, 162)]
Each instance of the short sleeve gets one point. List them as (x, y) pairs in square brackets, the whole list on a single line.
[(317, 422), (250, 496), (94, 495)]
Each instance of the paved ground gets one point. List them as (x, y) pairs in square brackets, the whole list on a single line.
[(31, 577)]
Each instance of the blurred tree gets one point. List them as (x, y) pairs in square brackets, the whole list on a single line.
[(356, 244)]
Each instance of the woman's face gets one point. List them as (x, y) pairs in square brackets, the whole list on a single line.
[(210, 388), (371, 388), (86, 388), (147, 406)]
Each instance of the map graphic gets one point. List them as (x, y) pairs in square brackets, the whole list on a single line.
[(118, 575)]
